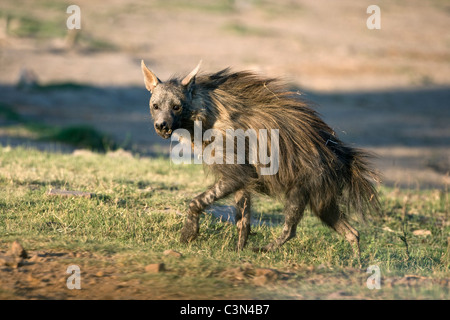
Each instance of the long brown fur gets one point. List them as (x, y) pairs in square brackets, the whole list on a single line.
[(315, 167)]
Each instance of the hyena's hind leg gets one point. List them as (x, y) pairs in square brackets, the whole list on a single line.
[(296, 201), (243, 205), (332, 217)]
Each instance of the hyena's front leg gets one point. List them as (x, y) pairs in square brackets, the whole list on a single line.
[(218, 191)]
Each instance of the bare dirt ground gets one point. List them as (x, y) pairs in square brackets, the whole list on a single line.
[(43, 275), (386, 90)]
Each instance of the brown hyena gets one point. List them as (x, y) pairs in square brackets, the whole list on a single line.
[(315, 168)]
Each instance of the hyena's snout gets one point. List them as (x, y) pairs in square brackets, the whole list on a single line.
[(163, 128)]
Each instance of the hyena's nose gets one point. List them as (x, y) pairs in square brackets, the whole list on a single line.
[(162, 126)]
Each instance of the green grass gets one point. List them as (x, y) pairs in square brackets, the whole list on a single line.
[(269, 8), (60, 86), (135, 216), (81, 136), (219, 6), (244, 30), (24, 25), (8, 113), (47, 20)]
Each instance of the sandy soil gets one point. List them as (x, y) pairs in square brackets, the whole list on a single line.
[(43, 275)]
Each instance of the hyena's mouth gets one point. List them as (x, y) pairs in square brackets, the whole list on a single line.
[(166, 134)]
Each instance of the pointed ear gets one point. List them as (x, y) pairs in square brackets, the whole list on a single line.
[(190, 78), (150, 80)]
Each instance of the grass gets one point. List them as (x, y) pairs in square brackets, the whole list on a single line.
[(59, 86), (81, 136), (241, 29), (220, 6), (269, 8), (22, 25), (135, 216), (47, 20)]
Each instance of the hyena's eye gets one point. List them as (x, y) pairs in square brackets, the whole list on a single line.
[(176, 107), (155, 107)]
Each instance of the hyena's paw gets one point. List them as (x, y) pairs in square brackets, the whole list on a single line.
[(240, 246), (188, 235), (189, 232), (266, 248)]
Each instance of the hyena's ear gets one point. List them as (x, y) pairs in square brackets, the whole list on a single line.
[(189, 80), (150, 80)]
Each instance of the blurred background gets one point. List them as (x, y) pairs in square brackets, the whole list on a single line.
[(386, 90)]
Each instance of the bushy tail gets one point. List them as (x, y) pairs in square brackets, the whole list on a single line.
[(361, 192)]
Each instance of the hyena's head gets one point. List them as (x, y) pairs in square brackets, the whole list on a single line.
[(170, 101)]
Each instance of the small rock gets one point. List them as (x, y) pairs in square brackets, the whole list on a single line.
[(119, 153), (234, 273), (100, 274), (389, 282), (422, 232), (444, 282), (321, 267), (17, 250), (32, 280), (338, 295), (247, 266), (386, 228), (9, 261), (264, 276), (248, 269), (260, 281), (172, 253), (270, 274), (35, 258), (82, 152), (4, 260), (155, 268)]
